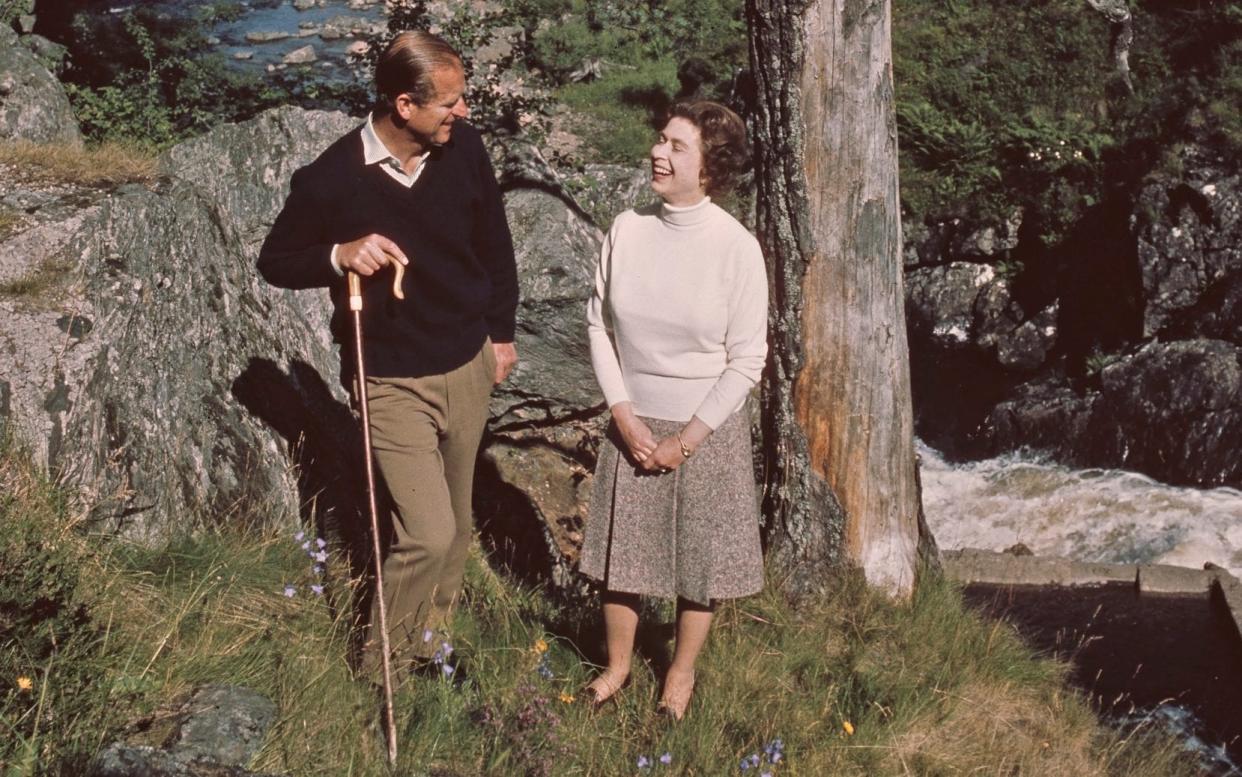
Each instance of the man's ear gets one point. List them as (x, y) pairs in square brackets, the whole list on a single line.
[(404, 106)]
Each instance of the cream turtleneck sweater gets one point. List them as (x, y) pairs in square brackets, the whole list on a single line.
[(678, 317)]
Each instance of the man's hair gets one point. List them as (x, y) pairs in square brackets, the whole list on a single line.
[(407, 65), (726, 153)]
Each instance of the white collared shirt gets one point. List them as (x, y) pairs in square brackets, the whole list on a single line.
[(374, 152)]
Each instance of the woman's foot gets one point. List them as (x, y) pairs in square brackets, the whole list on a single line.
[(604, 687), (678, 687)]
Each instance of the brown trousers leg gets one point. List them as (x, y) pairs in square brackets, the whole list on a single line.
[(425, 434)]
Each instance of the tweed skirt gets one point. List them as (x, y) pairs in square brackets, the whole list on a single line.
[(690, 533)]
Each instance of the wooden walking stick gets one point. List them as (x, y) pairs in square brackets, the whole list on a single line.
[(355, 306)]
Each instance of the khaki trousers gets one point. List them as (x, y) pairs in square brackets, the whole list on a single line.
[(425, 434)]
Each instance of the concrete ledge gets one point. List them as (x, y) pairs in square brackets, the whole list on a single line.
[(971, 565), (1165, 579)]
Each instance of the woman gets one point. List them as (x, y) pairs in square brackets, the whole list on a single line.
[(677, 323)]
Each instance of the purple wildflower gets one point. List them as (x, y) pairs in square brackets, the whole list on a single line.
[(317, 589), (321, 543), (299, 536), (427, 635), (644, 762), (290, 591), (666, 759), (321, 556), (318, 569)]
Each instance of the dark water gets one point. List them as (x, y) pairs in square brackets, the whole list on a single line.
[(1175, 658), (256, 16)]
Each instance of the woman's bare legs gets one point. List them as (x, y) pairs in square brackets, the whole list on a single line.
[(620, 625), (693, 622)]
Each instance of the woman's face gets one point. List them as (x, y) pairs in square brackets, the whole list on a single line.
[(677, 163)]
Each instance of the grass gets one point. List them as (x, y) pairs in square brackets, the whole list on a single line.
[(38, 286), (10, 222), (105, 164), (926, 689), (613, 113)]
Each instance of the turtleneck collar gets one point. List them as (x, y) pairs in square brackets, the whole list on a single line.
[(685, 215)]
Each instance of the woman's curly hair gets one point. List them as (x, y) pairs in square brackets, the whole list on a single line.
[(726, 152)]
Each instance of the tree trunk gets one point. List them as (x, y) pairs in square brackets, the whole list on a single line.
[(841, 483)]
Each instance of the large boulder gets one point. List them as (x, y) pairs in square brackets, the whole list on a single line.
[(175, 389), (33, 104), (154, 369)]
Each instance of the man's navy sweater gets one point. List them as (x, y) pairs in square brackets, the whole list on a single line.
[(461, 284)]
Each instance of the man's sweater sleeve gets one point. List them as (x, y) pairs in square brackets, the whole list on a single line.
[(494, 245), (746, 338), (296, 253), (599, 329)]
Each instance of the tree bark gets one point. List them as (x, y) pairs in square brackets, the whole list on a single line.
[(841, 480)]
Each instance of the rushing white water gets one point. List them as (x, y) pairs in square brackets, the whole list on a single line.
[(1085, 514)]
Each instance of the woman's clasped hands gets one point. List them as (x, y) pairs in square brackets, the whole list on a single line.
[(651, 454)]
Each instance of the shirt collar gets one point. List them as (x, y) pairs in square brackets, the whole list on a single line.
[(375, 152)]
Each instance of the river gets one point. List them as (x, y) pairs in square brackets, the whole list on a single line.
[(1085, 514)]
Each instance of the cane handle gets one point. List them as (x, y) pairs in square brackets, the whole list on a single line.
[(355, 283)]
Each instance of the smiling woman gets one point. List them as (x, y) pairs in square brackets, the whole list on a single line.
[(678, 324)]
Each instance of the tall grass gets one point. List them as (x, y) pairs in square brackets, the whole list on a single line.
[(853, 686)]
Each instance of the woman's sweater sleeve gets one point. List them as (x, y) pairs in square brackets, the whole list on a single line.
[(604, 357), (746, 337)]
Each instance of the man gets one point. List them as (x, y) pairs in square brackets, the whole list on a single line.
[(413, 185)]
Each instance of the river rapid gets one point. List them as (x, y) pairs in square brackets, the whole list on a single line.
[(1084, 514)]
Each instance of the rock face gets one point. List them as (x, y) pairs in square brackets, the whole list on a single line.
[(1171, 408), (156, 371), (1189, 233), (1117, 348), (33, 104)]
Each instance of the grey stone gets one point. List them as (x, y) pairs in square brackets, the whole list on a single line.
[(1002, 329), (33, 104), (26, 23), (265, 36), (1189, 235), (300, 56), (215, 734), (50, 55), (226, 724), (940, 302)]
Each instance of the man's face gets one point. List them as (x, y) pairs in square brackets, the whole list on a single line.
[(432, 124)]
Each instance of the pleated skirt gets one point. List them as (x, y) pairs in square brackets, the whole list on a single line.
[(690, 533)]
